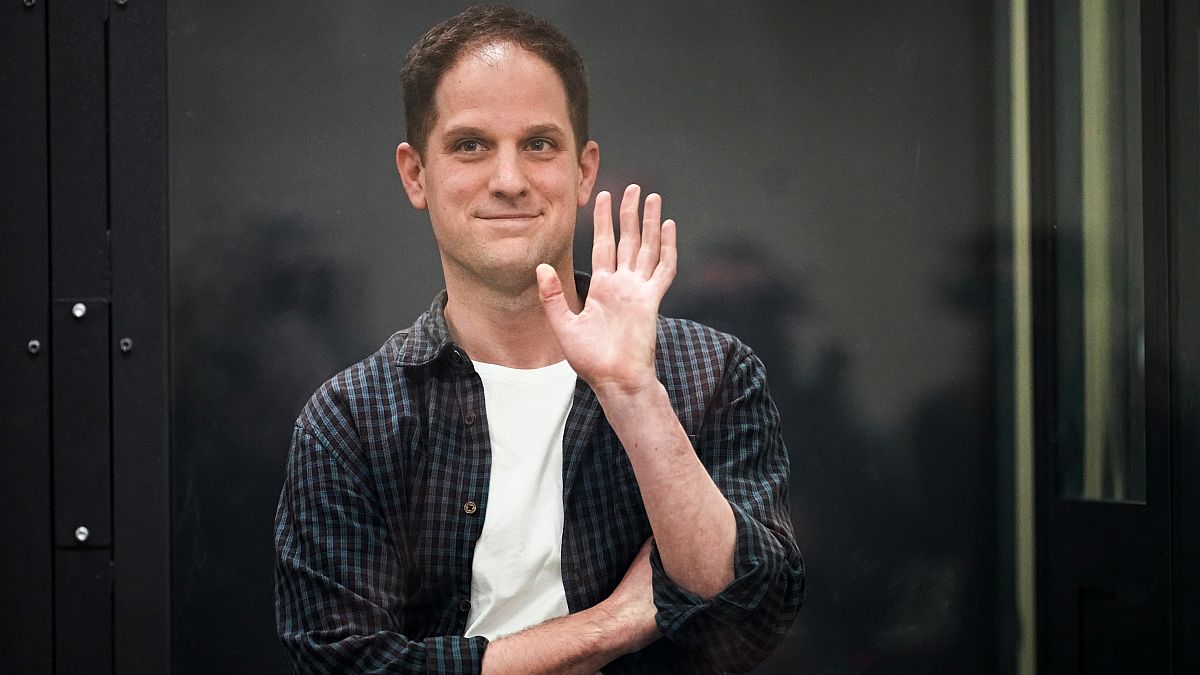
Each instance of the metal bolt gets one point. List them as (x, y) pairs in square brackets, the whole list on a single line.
[(126, 345), (81, 534), (79, 310), (34, 346)]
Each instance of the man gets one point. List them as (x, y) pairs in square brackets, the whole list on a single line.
[(541, 474)]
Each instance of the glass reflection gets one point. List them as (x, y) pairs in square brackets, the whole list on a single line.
[(1101, 397)]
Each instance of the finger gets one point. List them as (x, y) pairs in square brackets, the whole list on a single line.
[(664, 272), (603, 246), (554, 302), (627, 247), (647, 258)]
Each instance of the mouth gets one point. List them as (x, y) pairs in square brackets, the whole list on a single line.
[(508, 216)]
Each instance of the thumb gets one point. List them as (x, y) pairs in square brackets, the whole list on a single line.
[(551, 292)]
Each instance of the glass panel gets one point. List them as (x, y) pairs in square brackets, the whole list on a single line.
[(1101, 391), (831, 168)]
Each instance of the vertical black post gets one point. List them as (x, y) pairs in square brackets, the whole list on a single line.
[(137, 109), (1183, 68), (1103, 568), (26, 564), (79, 284)]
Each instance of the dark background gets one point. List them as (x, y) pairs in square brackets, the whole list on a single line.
[(831, 166)]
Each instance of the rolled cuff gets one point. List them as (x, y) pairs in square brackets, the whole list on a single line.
[(737, 628)]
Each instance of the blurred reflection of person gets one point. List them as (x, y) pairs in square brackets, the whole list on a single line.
[(541, 474), (739, 288)]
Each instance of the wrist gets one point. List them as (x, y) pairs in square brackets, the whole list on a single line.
[(583, 642), (607, 633), (626, 628), (639, 393)]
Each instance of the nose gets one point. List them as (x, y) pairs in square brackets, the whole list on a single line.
[(508, 178)]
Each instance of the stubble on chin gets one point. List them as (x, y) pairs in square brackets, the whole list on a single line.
[(494, 276)]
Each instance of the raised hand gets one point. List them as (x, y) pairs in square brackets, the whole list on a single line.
[(610, 343)]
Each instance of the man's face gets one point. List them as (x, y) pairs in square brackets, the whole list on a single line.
[(501, 175)]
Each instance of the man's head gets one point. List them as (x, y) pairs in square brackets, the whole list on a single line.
[(436, 52), (502, 166)]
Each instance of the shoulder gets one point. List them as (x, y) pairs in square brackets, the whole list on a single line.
[(690, 344), (335, 412), (696, 363)]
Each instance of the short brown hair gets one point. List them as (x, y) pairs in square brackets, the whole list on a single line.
[(439, 49)]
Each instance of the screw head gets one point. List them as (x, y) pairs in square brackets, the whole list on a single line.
[(34, 346), (126, 345), (30, 3), (122, 2), (79, 310), (81, 534)]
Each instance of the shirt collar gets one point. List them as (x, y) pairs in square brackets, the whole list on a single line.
[(428, 339)]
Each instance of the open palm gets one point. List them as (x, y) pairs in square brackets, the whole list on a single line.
[(610, 343)]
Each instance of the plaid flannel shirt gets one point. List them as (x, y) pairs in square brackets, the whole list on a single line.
[(386, 493)]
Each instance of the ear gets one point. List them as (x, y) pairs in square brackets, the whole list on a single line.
[(412, 174), (589, 165)]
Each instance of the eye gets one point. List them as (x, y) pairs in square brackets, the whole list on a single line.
[(469, 145), (540, 145)]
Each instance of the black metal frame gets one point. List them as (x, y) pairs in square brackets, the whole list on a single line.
[(1102, 564), (1183, 73), (84, 472), (139, 347)]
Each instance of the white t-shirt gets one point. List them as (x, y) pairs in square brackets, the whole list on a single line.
[(516, 575)]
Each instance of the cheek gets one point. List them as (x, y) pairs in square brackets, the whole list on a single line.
[(556, 182), (447, 193), (446, 184)]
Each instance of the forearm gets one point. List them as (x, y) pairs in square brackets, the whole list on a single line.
[(692, 521), (582, 643)]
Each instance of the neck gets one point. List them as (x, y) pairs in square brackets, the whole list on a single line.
[(507, 328)]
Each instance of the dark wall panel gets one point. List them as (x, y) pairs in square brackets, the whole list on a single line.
[(79, 282), (79, 152), (26, 565), (83, 635), (138, 343)]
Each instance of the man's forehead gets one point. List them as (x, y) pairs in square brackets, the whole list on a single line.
[(491, 53), (455, 106)]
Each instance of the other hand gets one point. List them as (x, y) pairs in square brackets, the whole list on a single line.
[(631, 605)]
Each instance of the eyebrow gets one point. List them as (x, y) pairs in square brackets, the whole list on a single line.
[(545, 130), (463, 131), (548, 129)]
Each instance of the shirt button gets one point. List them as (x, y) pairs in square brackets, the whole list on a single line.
[(464, 605), (470, 508), (469, 419)]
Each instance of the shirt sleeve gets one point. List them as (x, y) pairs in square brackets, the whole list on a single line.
[(339, 575), (741, 445)]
